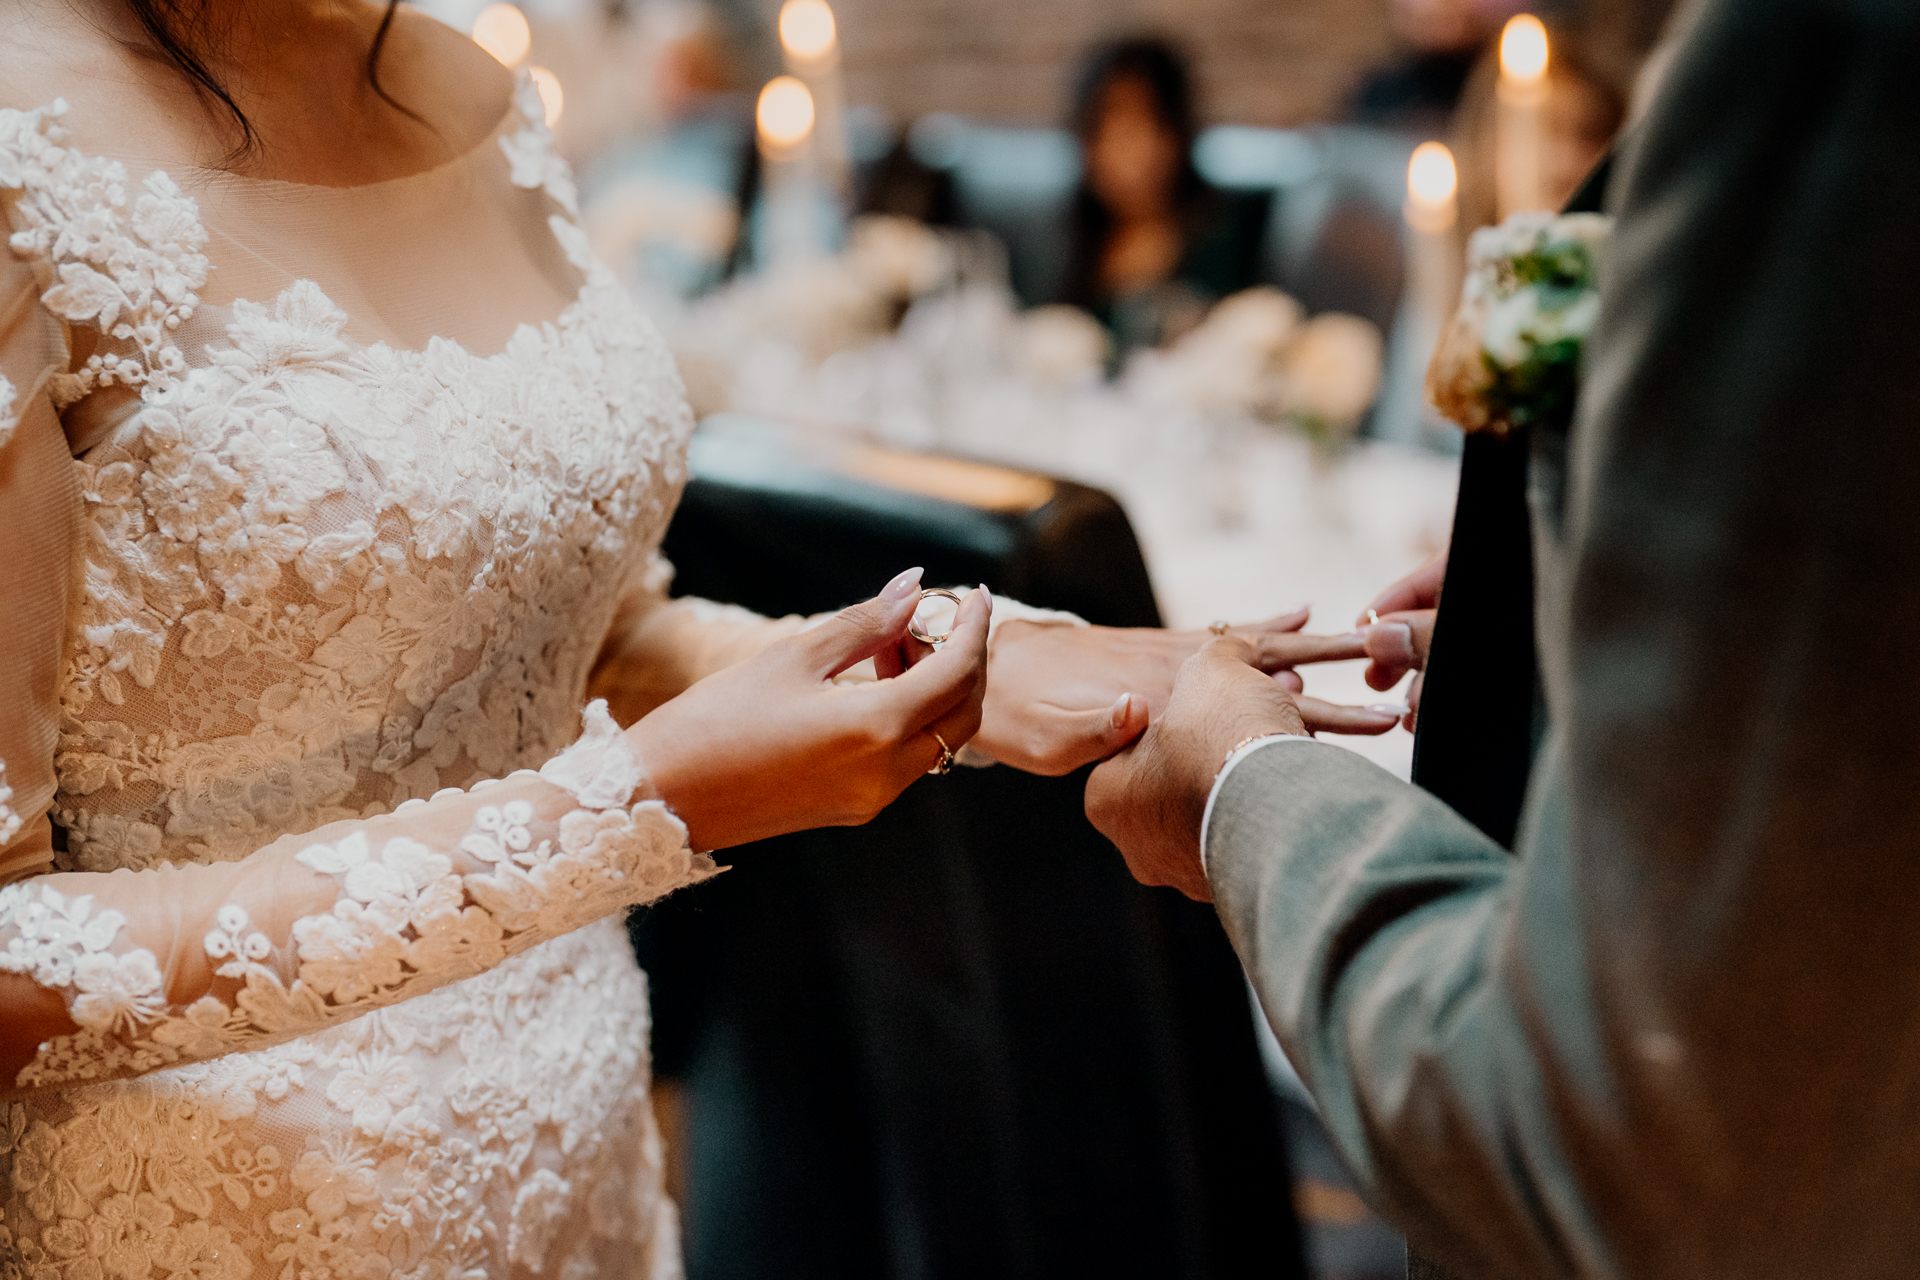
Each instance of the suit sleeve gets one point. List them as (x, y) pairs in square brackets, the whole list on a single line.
[(1679, 1034)]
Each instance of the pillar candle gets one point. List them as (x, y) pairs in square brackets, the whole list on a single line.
[(1520, 142)]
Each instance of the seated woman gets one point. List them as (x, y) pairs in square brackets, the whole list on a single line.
[(1153, 245)]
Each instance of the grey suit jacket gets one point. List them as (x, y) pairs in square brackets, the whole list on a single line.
[(1677, 1033)]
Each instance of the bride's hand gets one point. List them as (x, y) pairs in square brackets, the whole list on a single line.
[(1398, 627), (773, 745), (1060, 697)]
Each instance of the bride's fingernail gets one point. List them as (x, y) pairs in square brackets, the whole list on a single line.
[(903, 586), (1121, 708), (1390, 642), (988, 594), (1388, 709)]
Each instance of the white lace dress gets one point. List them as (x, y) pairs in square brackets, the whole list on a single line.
[(282, 556)]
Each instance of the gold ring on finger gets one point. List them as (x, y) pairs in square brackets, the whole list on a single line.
[(927, 637), (946, 754), (1218, 628), (1373, 619)]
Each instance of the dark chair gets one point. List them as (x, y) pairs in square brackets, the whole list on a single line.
[(960, 1041)]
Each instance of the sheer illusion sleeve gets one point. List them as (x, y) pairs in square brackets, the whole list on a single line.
[(41, 505)]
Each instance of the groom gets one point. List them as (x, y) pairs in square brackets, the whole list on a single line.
[(1679, 1033)]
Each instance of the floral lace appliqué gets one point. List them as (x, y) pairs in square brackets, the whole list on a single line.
[(130, 274), (530, 151)]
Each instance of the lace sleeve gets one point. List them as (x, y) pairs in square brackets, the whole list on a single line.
[(163, 966)]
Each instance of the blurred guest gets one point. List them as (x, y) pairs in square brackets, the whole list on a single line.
[(1152, 244), (1442, 40)]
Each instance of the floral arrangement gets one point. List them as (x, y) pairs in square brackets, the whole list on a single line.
[(1511, 356), (1257, 353)]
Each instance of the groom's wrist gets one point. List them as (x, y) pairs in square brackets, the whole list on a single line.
[(1234, 757)]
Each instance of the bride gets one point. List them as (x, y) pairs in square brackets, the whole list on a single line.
[(331, 465)]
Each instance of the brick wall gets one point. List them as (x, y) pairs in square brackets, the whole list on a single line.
[(1274, 62)]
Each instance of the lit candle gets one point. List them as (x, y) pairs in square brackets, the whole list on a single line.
[(786, 120), (502, 31), (1426, 303), (1433, 254), (810, 39), (1520, 141), (785, 116)]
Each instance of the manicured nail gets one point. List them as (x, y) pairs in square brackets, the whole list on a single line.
[(903, 586), (989, 595), (1121, 708), (1387, 709), (1390, 642)]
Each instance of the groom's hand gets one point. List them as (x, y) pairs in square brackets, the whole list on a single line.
[(1061, 697), (1150, 798)]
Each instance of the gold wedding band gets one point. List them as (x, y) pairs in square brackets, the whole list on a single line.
[(924, 637), (1218, 628), (946, 754)]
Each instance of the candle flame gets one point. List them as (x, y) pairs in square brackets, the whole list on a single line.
[(1431, 178), (785, 113), (806, 29), (552, 101), (502, 31), (1523, 50)]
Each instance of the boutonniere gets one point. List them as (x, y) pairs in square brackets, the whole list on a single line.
[(1511, 356)]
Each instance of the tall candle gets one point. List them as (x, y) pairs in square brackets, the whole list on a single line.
[(1520, 141), (786, 123), (1432, 208), (810, 39)]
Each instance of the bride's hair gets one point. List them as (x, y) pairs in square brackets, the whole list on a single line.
[(182, 34)]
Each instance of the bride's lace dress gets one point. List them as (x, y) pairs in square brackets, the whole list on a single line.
[(285, 557)]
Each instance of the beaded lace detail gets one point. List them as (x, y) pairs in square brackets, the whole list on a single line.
[(331, 585)]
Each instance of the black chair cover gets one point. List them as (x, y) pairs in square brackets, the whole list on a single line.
[(960, 1041)]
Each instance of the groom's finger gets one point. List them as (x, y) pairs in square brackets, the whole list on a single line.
[(1276, 650), (1330, 717)]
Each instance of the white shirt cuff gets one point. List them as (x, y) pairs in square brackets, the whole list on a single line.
[(1240, 753)]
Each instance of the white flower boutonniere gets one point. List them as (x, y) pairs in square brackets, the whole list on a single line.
[(1511, 356)]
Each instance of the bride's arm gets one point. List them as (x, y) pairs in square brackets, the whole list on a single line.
[(104, 975)]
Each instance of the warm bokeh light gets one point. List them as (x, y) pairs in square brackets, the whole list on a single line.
[(551, 99), (502, 31), (806, 29), (1523, 49), (1431, 177), (785, 114)]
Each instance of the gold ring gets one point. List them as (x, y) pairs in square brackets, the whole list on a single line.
[(1373, 619), (913, 625), (1218, 628), (946, 754)]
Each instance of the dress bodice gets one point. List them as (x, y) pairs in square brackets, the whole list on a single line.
[(325, 575)]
